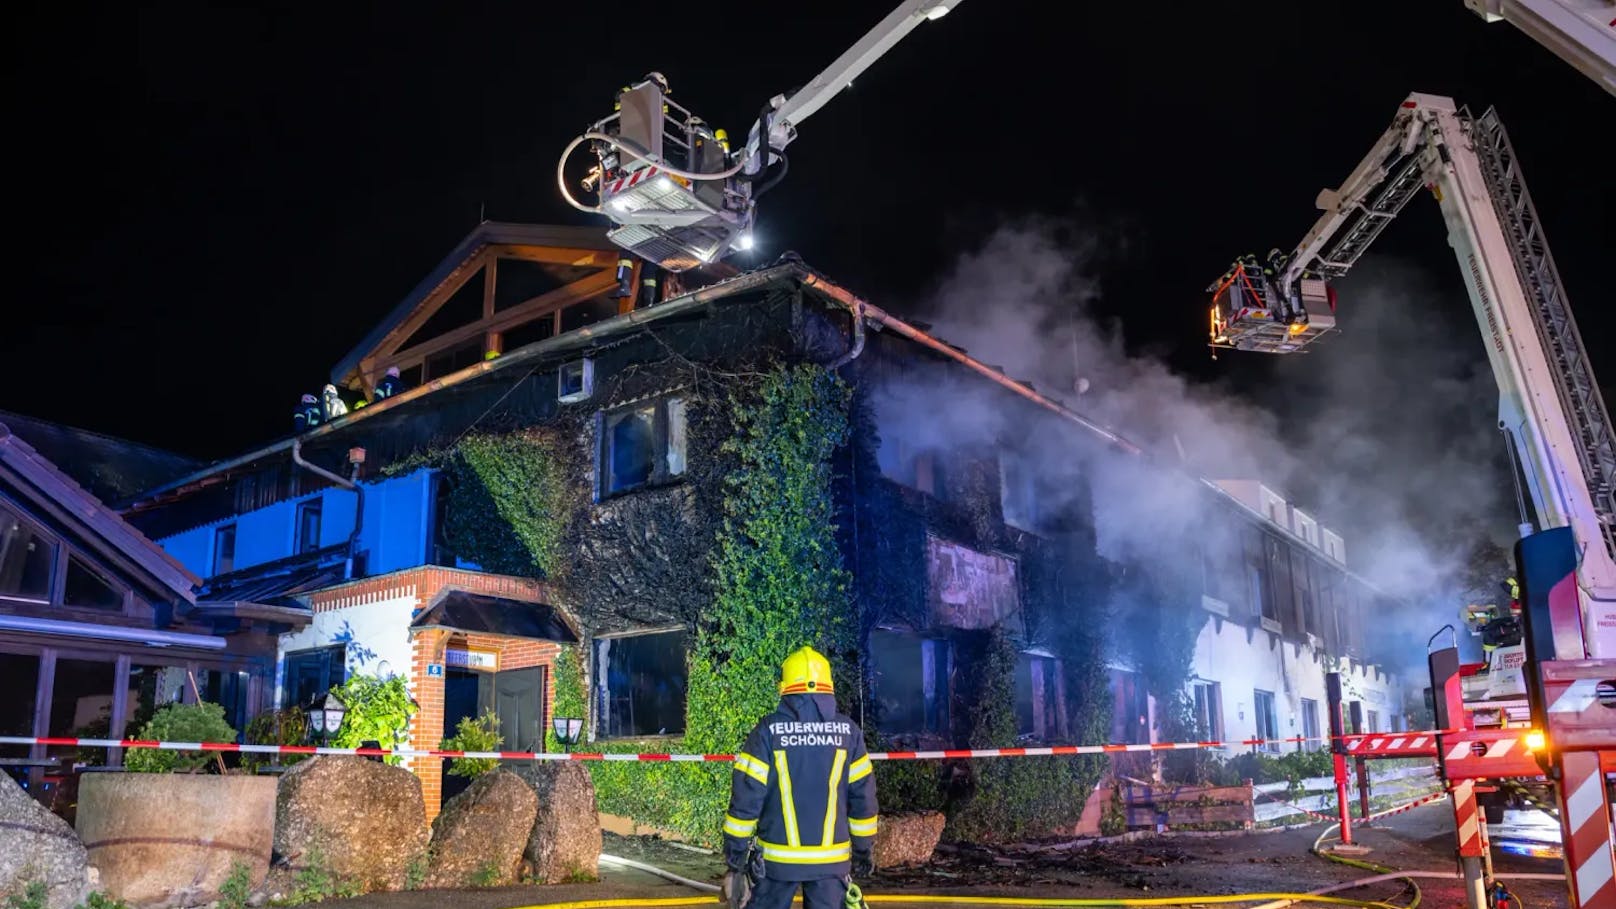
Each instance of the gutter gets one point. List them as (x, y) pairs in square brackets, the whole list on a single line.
[(350, 484), (531, 354)]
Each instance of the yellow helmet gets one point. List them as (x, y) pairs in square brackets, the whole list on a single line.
[(490, 355), (806, 672)]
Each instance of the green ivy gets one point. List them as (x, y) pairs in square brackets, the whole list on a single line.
[(571, 696), (377, 710), (779, 584), (1013, 799), (287, 726), (202, 722)]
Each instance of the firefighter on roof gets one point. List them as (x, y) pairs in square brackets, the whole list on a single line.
[(307, 415), (804, 787)]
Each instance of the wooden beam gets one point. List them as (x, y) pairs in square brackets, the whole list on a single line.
[(554, 255), (579, 290), (490, 275), (430, 305)]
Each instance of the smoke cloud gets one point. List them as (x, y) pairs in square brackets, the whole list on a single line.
[(1385, 433)]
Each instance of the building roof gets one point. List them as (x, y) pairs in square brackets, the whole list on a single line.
[(101, 528), (110, 468), (475, 613), (486, 234)]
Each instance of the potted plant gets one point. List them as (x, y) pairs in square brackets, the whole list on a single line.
[(169, 831)]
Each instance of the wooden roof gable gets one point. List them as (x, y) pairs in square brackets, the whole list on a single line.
[(575, 263)]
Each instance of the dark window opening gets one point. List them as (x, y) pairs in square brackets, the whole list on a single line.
[(411, 376), (310, 674), (452, 360), (1037, 698), (517, 281), (87, 589), (530, 332), (26, 559), (1209, 711), (1267, 719), (228, 689), (1302, 584), (224, 549), (911, 682), (640, 684), (1372, 718), (588, 312), (1279, 572), (308, 526), (1130, 718), (19, 678), (81, 704), (642, 446), (463, 307)]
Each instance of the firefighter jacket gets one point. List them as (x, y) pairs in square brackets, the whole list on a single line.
[(804, 786)]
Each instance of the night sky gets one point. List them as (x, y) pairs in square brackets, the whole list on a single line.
[(210, 206)]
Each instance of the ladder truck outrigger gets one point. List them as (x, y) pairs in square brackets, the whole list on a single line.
[(1544, 706), (677, 195)]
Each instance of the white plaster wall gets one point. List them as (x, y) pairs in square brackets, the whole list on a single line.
[(377, 636), (1291, 673)]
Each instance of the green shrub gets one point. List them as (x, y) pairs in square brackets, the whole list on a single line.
[(202, 722), (479, 734), (33, 896), (288, 726), (377, 710)]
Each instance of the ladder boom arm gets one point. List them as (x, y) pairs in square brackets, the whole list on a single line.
[(1580, 32)]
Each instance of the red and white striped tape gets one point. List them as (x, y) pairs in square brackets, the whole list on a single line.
[(946, 754), (1426, 800)]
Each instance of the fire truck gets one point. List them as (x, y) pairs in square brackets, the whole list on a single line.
[(1543, 707)]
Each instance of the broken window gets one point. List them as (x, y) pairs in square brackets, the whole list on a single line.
[(1038, 702), (27, 559), (642, 445), (1267, 719), (1209, 711), (1302, 588), (1259, 591), (1130, 710), (87, 588), (911, 682), (640, 683), (1283, 604)]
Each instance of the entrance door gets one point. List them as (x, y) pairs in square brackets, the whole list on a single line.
[(519, 702)]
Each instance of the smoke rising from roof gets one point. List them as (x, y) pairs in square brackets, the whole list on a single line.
[(1384, 433)]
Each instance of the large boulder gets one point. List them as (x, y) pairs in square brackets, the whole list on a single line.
[(172, 839), (37, 846), (566, 840), (479, 838), (907, 839), (358, 821)]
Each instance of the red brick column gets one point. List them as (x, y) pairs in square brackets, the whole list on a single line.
[(426, 730)]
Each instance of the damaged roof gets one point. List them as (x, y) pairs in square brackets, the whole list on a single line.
[(55, 493), (476, 613), (109, 468)]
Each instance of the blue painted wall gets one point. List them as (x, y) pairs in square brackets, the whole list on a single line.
[(396, 532)]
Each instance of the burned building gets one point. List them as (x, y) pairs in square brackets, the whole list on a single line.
[(550, 494)]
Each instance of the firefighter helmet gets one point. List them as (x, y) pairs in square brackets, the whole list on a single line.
[(806, 672)]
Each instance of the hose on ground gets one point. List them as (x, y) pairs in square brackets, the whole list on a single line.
[(665, 875), (1367, 866)]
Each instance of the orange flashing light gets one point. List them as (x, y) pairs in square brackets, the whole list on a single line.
[(1534, 741)]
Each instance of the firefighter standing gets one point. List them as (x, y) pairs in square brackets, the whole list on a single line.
[(804, 786), (307, 415)]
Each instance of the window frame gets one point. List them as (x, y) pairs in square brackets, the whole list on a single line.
[(55, 580), (300, 543), (336, 658), (1310, 724), (1043, 679), (213, 554), (1207, 697), (664, 435), (599, 688), (1258, 697), (936, 672)]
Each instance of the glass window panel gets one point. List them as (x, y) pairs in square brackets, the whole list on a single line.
[(88, 589), (19, 680), (26, 559), (631, 448), (81, 707), (642, 687), (150, 689)]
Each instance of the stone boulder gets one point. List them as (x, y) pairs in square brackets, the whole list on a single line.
[(566, 841), (360, 821), (479, 838), (36, 845), (907, 839), (173, 839)]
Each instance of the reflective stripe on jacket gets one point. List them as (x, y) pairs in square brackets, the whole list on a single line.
[(804, 786)]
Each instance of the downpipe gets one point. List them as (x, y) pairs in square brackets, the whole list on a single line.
[(352, 485)]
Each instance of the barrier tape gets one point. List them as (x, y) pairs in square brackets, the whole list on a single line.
[(1295, 807), (946, 754), (1424, 800)]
